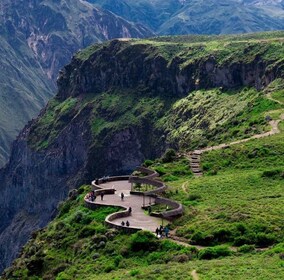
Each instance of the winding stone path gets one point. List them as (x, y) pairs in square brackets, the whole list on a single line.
[(138, 218), (195, 156)]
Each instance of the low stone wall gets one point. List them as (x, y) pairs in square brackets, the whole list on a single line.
[(177, 207), (118, 215), (149, 180), (150, 173), (160, 188)]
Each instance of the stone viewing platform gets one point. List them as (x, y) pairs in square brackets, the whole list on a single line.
[(108, 193)]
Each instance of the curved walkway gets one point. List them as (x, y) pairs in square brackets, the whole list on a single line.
[(138, 218), (195, 156), (108, 193)]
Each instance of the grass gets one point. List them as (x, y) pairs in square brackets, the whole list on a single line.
[(52, 122), (242, 203)]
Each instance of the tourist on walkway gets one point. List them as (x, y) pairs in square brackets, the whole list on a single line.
[(157, 232), (122, 196), (129, 210), (127, 223), (102, 195), (123, 223), (149, 210), (166, 230)]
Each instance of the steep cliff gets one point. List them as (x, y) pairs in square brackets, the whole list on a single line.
[(37, 39), (121, 102)]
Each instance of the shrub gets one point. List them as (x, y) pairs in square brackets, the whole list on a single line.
[(214, 252), (264, 240), (241, 228), (271, 173), (207, 166), (148, 162), (246, 248), (222, 235), (134, 272), (64, 208), (170, 178), (194, 196), (169, 156), (181, 258), (81, 218), (245, 239), (87, 231), (202, 239), (143, 241)]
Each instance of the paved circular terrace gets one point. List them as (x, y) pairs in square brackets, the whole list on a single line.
[(139, 217)]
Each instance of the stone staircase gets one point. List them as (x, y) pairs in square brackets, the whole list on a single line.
[(195, 166)]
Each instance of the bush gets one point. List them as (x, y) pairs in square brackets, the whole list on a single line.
[(214, 252), (169, 156), (170, 178), (222, 235), (87, 231), (81, 218), (244, 239), (246, 248), (148, 162), (271, 173), (64, 208), (202, 239), (193, 197), (143, 241), (265, 240), (181, 258)]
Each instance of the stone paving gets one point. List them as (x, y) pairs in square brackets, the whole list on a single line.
[(139, 217)]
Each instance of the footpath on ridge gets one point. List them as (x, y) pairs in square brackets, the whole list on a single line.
[(195, 156)]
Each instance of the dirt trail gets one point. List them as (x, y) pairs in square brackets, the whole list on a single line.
[(194, 275), (195, 156)]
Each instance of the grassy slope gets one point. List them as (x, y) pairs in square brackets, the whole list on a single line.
[(243, 197)]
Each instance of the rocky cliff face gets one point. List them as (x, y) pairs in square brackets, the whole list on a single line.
[(37, 39), (106, 119)]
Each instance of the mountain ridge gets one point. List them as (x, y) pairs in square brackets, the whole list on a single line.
[(40, 37)]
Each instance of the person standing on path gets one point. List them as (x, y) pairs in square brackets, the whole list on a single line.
[(122, 196), (166, 230), (102, 195)]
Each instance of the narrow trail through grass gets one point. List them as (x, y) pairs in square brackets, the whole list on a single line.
[(195, 159)]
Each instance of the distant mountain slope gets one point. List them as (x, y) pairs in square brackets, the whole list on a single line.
[(37, 39), (200, 16)]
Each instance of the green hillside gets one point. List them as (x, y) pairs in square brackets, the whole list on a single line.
[(183, 93), (241, 205)]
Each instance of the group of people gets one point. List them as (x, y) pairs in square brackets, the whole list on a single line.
[(92, 195), (125, 224), (162, 231)]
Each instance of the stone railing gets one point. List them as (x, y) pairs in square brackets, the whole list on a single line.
[(149, 179), (121, 214), (160, 187), (177, 208), (98, 190)]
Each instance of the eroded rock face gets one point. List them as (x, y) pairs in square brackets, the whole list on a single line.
[(156, 74), (37, 39)]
